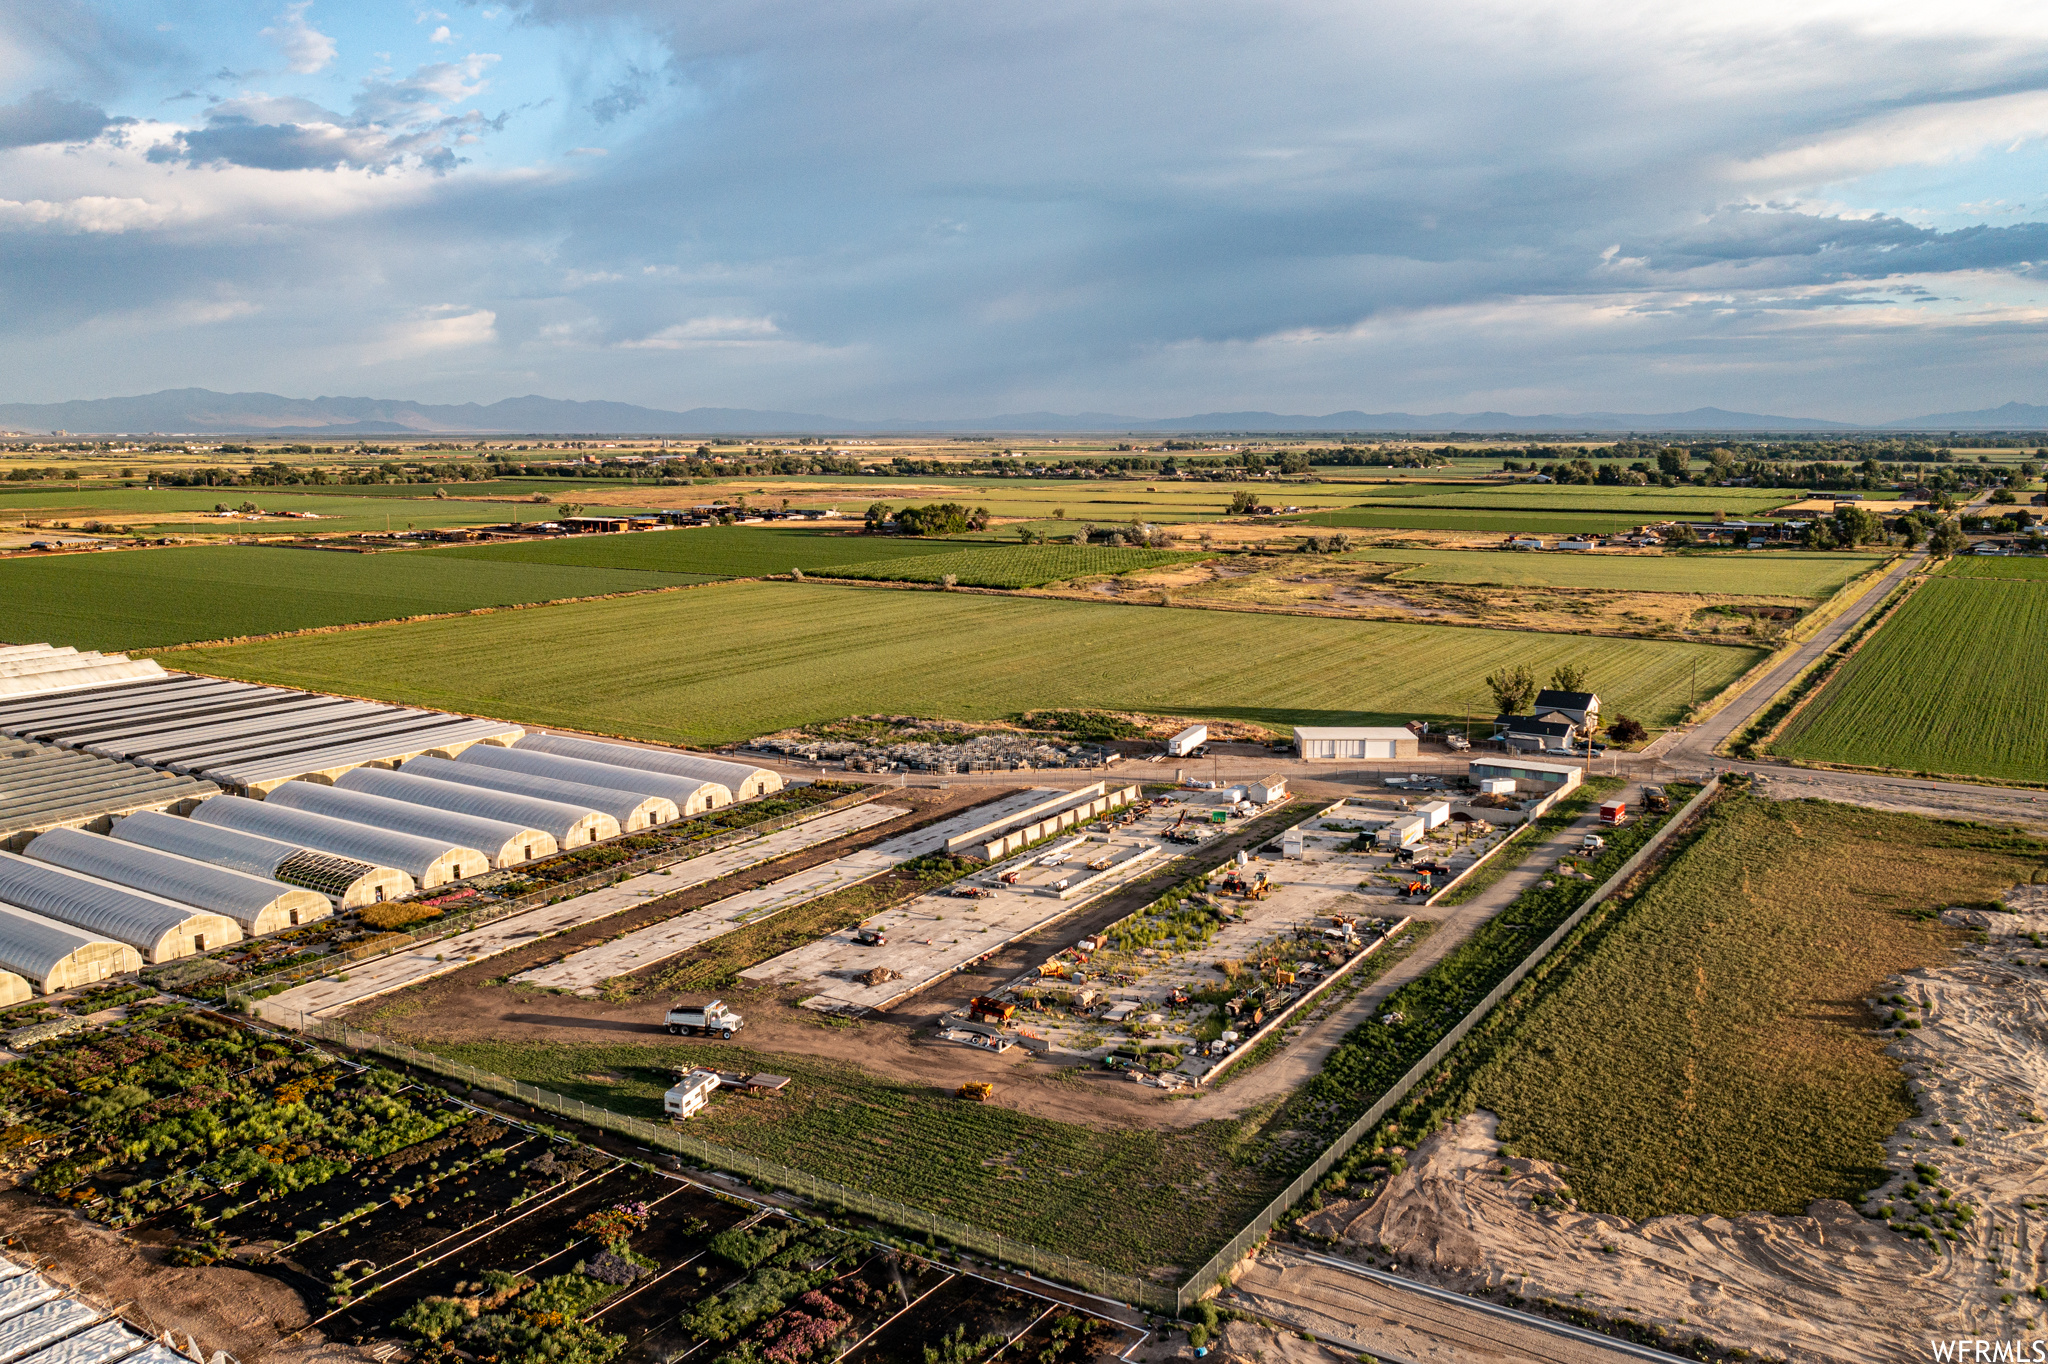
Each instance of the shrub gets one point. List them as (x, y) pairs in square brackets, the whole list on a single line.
[(397, 914)]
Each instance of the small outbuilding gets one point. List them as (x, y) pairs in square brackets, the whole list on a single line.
[(1364, 742), (55, 956), (1525, 774), (1267, 790)]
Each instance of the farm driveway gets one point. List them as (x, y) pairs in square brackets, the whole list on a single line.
[(385, 974)]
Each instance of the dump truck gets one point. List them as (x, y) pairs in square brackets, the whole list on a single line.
[(712, 1019), (980, 1091)]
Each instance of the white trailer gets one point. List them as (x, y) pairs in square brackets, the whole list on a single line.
[(1187, 741), (689, 1094), (1436, 812), (1403, 831)]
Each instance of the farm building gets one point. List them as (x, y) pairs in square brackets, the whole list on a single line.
[(1328, 741), (691, 795), (1526, 775), (633, 812), (235, 733), (257, 904), (160, 929), (1266, 791), (504, 842), (54, 956), (344, 881), (744, 780), (429, 862), (14, 989), (43, 787), (571, 825)]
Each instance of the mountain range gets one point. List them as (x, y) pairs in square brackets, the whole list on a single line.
[(200, 411)]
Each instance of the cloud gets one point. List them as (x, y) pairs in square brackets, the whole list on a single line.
[(447, 326), (626, 94), (304, 47), (90, 213), (441, 35), (705, 330), (392, 123), (45, 116)]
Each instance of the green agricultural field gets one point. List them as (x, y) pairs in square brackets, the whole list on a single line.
[(150, 598), (732, 661), (1971, 566), (1642, 502), (1483, 521), (1726, 1001), (1131, 1200), (1764, 573), (1955, 682), (1020, 566), (175, 510), (722, 551)]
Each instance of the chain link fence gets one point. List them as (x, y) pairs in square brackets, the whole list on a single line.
[(1003, 1249)]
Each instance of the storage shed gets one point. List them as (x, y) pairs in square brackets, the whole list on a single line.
[(54, 956), (690, 795), (632, 811), (744, 780), (160, 929), (506, 844), (344, 881), (571, 825), (429, 862), (1527, 776), (258, 904), (1355, 742), (1268, 790)]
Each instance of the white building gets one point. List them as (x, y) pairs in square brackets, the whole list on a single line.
[(1332, 742)]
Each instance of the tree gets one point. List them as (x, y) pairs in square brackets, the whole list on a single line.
[(1675, 461), (1626, 731), (1948, 538), (1679, 534), (978, 519), (1513, 689), (878, 515), (1568, 677), (1818, 535), (2003, 497), (1243, 503), (1855, 526)]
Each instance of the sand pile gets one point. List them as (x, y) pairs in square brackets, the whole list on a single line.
[(1943, 1245)]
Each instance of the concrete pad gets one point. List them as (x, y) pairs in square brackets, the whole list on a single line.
[(382, 975), (586, 972)]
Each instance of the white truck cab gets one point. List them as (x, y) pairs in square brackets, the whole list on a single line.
[(713, 1018)]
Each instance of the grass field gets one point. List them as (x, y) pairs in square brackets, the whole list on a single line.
[(742, 659), (1594, 498), (173, 510), (722, 551), (1971, 566), (1130, 1200), (1020, 566), (1956, 682), (1480, 520), (1765, 573), (1726, 1002), (150, 598)]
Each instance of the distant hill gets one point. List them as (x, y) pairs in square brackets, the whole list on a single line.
[(201, 411)]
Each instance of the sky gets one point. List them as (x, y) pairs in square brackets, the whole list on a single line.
[(905, 208)]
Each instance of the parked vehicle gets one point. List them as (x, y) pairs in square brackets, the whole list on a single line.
[(980, 1091), (1592, 842), (712, 1019), (869, 937)]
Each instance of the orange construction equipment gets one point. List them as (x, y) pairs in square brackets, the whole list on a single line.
[(981, 1091), (986, 1010)]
